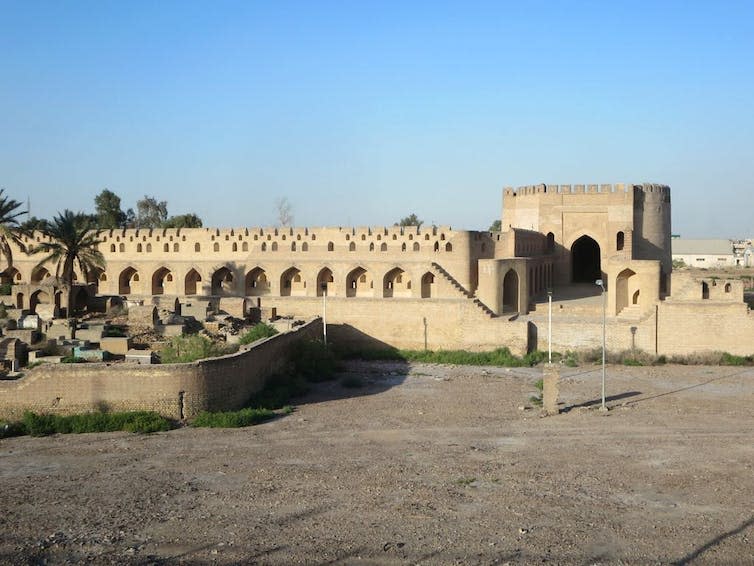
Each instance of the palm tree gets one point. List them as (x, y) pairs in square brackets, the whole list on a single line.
[(73, 238), (10, 231)]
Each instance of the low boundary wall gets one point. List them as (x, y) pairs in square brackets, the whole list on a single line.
[(174, 390)]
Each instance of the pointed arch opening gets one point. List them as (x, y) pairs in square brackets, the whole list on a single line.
[(39, 275), (586, 266), (161, 279), (396, 283), (359, 283), (222, 282), (325, 282), (625, 288), (510, 291), (428, 285), (257, 283), (127, 280), (191, 282), (292, 283)]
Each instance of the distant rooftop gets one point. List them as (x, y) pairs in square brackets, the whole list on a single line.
[(683, 246)]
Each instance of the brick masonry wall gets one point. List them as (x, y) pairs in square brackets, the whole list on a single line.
[(173, 390)]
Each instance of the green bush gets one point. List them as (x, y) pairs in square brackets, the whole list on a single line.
[(3, 311), (9, 428), (189, 348), (731, 360), (258, 332), (115, 332), (313, 360), (6, 289), (133, 421), (535, 357), (72, 360), (278, 391), (232, 419)]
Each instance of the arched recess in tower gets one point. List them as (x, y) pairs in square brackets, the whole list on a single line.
[(586, 265)]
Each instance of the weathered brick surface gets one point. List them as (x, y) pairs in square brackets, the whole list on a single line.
[(174, 390)]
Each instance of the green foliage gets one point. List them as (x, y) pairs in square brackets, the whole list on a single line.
[(678, 264), (3, 311), (72, 360), (499, 357), (108, 212), (35, 364), (259, 331), (727, 359), (352, 382), (6, 289), (151, 213), (37, 424), (278, 391), (496, 226), (115, 332), (190, 220), (9, 428), (410, 220), (540, 384), (534, 357), (232, 419), (192, 347), (313, 360), (632, 362)]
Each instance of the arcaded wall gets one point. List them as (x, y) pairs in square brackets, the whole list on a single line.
[(174, 390)]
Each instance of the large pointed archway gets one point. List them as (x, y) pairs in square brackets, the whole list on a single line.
[(510, 291), (586, 266)]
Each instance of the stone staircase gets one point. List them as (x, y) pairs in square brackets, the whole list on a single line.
[(439, 270)]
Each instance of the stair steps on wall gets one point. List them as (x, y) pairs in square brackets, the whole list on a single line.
[(439, 270)]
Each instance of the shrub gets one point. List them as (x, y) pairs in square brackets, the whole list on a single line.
[(6, 289), (8, 429), (189, 348), (72, 360), (730, 360), (115, 332), (534, 357), (258, 332), (232, 419), (278, 391), (313, 360), (539, 384), (3, 311), (133, 421)]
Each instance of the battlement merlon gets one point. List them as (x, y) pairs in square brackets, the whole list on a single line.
[(542, 189)]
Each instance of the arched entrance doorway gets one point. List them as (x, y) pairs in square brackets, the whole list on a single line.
[(585, 260), (292, 283), (126, 281), (190, 284), (623, 290), (325, 281), (510, 291), (257, 283), (222, 281)]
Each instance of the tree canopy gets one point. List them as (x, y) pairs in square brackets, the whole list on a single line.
[(410, 220), (496, 226), (189, 220), (10, 230), (151, 213), (108, 211), (73, 240)]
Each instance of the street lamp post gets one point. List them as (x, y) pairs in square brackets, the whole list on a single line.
[(324, 312), (549, 326), (601, 283)]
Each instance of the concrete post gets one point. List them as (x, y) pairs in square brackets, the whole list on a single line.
[(551, 389)]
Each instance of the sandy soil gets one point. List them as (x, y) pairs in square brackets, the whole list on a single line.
[(424, 465)]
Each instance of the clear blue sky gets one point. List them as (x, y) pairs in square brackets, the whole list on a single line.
[(362, 113)]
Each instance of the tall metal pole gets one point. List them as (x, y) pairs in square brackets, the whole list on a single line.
[(549, 326), (604, 325), (324, 312)]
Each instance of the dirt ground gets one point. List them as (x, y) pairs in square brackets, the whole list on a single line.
[(425, 464)]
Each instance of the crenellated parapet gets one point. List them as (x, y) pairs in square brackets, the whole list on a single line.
[(542, 189)]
